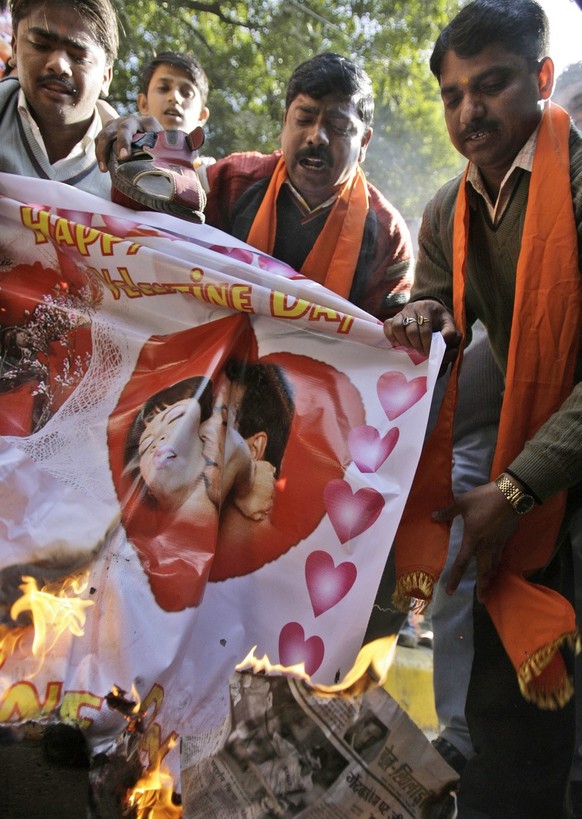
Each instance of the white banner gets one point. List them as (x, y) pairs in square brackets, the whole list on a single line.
[(153, 371)]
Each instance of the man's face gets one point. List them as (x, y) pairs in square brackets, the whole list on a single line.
[(323, 141), (492, 106), (62, 70), (225, 452), (173, 99)]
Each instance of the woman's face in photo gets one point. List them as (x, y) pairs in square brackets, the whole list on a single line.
[(170, 452)]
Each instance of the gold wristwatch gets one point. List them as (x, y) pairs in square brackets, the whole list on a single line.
[(520, 500)]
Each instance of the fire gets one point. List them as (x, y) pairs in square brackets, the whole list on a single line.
[(370, 667), (152, 793), (54, 609), (129, 707), (265, 666)]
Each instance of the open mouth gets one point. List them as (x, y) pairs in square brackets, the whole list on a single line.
[(57, 87), (313, 163)]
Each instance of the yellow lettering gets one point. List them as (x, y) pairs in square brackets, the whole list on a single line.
[(241, 298), (85, 236), (23, 702), (217, 295), (38, 221), (62, 231), (71, 706), (284, 306), (151, 743)]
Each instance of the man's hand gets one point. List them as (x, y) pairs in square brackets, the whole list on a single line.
[(415, 324), (489, 521), (122, 130), (258, 503)]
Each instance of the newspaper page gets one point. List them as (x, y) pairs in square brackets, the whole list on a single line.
[(293, 751)]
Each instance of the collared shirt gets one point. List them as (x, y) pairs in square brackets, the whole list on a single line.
[(304, 204), (523, 161), (86, 144)]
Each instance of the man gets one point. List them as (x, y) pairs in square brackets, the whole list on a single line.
[(309, 204), (174, 90), (568, 92), (514, 224), (51, 112)]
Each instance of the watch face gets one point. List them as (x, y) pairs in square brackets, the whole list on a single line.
[(524, 504)]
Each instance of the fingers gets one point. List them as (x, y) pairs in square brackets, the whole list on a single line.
[(121, 131), (410, 328), (417, 321)]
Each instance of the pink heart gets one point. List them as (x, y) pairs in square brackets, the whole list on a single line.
[(295, 649), (351, 514), (327, 583), (238, 253), (414, 355), (397, 395), (369, 450)]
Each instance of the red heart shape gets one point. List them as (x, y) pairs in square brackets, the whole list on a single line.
[(294, 649), (368, 449), (351, 513), (397, 395), (327, 583)]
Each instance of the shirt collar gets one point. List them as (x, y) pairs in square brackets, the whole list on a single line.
[(523, 161), (80, 149), (304, 204)]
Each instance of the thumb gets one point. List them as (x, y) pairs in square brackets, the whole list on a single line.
[(446, 514)]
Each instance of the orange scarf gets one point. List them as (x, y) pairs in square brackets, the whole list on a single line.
[(333, 258), (532, 621)]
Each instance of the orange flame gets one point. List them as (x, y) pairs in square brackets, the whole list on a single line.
[(371, 665), (262, 665), (152, 793), (54, 609)]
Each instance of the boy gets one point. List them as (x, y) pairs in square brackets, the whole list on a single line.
[(174, 90)]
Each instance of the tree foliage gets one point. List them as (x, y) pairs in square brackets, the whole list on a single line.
[(250, 49)]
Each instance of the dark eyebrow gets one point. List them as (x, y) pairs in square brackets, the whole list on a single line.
[(479, 78), (54, 38)]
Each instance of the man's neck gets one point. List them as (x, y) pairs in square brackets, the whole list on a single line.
[(59, 142)]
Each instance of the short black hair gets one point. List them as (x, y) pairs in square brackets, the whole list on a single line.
[(183, 62), (332, 74), (520, 26), (100, 17), (266, 405)]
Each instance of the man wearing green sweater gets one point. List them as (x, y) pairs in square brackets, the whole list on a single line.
[(50, 109), (502, 243)]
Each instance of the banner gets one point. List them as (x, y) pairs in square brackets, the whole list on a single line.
[(202, 454)]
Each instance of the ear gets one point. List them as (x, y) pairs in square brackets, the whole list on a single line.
[(204, 114), (107, 76), (142, 103), (257, 444), (364, 145), (546, 78)]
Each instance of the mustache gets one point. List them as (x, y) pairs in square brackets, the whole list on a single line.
[(48, 79), (315, 152), (476, 127)]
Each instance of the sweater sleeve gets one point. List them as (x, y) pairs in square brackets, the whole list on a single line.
[(433, 277), (389, 268)]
